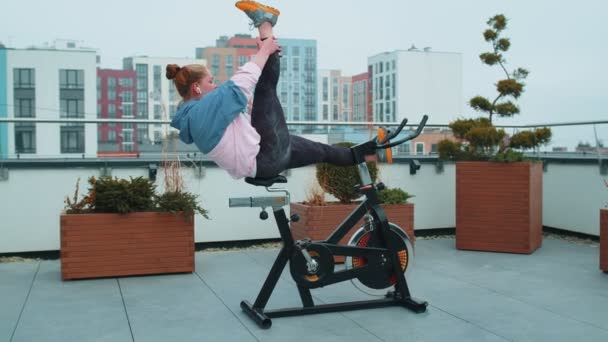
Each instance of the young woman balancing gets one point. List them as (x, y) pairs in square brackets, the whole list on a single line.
[(215, 118)]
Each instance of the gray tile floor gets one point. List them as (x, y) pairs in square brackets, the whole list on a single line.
[(555, 294)]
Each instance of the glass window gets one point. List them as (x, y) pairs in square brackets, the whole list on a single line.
[(71, 79), (71, 108), (72, 139), (24, 78), (419, 148), (24, 107), (25, 138), (325, 89)]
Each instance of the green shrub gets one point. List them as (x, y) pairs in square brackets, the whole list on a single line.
[(123, 196), (113, 195), (179, 201), (340, 181), (393, 196)]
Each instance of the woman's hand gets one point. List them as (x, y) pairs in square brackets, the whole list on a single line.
[(268, 46)]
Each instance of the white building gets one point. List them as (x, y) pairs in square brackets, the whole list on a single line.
[(335, 96), (157, 97), (52, 82), (409, 84)]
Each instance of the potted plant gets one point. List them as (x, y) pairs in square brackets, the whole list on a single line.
[(498, 191), (604, 236), (318, 218), (122, 228)]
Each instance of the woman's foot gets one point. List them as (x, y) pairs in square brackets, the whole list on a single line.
[(258, 13)]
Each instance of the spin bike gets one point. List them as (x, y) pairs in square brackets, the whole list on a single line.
[(376, 257)]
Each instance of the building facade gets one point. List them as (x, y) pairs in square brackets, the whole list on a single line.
[(116, 94), (409, 84), (297, 88), (157, 97), (361, 94), (228, 54), (336, 96), (53, 82)]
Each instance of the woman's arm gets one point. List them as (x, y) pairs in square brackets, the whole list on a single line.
[(247, 76)]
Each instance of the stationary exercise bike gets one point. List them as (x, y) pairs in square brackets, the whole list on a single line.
[(376, 258)]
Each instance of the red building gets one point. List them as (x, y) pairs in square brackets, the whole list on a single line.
[(227, 55), (245, 46), (116, 99)]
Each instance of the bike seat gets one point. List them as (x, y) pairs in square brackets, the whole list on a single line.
[(266, 182)]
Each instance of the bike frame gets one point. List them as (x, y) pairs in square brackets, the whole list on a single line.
[(401, 296)]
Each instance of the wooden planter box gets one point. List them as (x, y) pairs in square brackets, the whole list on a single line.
[(604, 240), (499, 206), (317, 222), (110, 245)]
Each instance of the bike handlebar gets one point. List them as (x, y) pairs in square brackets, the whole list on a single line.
[(410, 136)]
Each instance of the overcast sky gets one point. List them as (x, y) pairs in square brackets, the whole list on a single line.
[(562, 43)]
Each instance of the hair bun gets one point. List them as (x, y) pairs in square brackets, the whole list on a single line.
[(172, 70)]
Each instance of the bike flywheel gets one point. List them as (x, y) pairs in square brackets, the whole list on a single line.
[(377, 283)]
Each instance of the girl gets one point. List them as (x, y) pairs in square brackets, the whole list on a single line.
[(214, 118)]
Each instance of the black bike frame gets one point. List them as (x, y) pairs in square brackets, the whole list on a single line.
[(401, 295)]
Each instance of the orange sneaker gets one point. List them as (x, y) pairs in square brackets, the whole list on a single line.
[(258, 13)]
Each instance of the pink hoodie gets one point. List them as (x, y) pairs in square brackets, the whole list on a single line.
[(240, 144)]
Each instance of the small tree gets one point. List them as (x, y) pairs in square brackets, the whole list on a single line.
[(481, 139)]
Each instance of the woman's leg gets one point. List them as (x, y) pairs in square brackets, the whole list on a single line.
[(269, 120), (307, 152)]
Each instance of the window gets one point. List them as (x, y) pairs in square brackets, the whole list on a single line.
[(296, 65), (296, 113), (394, 86), (345, 91), (127, 135), (310, 52), (112, 136), (25, 138), (335, 112), (71, 108), (296, 98), (325, 89), (284, 97), (126, 96), (24, 108), (381, 88), (393, 63), (404, 148), (142, 134), (334, 89), (111, 110), (433, 148), (126, 82), (229, 66), (325, 111), (215, 64), (142, 96), (243, 60), (72, 139), (419, 148), (296, 50), (71, 79), (127, 110), (24, 78)]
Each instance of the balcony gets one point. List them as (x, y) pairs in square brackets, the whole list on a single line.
[(557, 293)]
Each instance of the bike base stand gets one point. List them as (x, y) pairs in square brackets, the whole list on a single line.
[(263, 317)]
